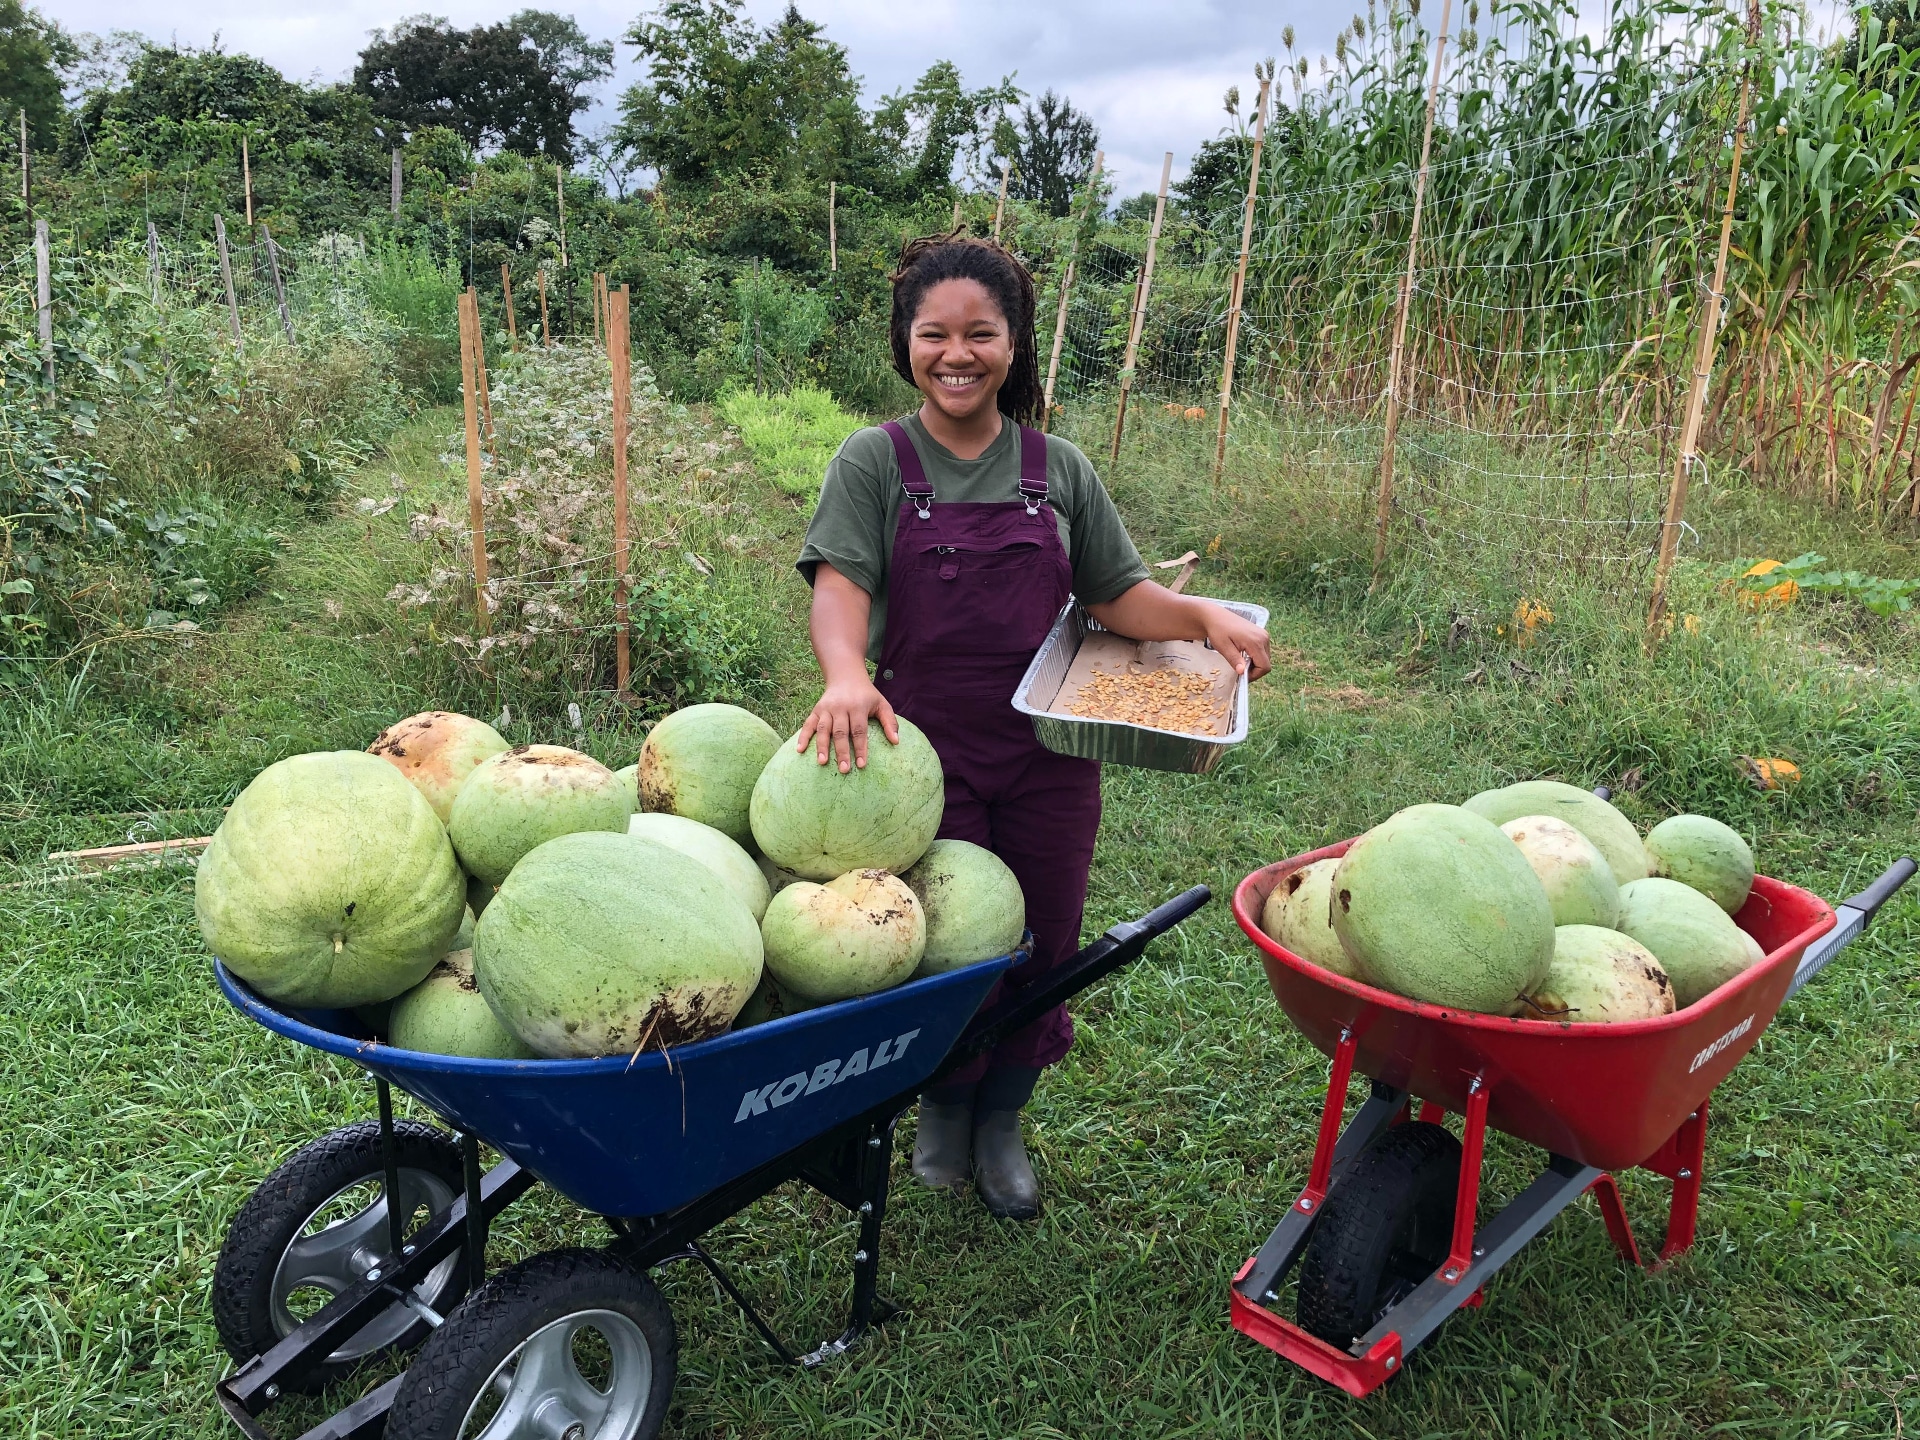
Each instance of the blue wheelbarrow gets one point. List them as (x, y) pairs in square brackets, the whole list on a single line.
[(388, 1219)]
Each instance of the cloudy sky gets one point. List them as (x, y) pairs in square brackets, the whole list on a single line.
[(1151, 72)]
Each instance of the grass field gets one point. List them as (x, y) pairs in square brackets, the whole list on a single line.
[(137, 1110)]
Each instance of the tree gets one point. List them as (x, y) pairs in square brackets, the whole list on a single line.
[(1052, 148), (723, 97), (33, 52), (515, 86), (939, 121)]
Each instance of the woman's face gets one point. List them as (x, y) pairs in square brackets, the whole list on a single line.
[(961, 348)]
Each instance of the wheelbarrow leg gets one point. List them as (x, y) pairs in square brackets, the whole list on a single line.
[(873, 1170)]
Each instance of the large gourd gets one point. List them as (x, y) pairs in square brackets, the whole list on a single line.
[(526, 796), (445, 1014), (852, 936), (1713, 858), (819, 823), (437, 751), (1299, 914), (1600, 976), (1611, 832), (1578, 881), (974, 906), (702, 762), (330, 883), (712, 849), (1694, 940)]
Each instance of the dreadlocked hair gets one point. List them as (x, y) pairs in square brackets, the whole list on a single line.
[(954, 255)]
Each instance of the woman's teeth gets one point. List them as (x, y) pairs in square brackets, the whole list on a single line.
[(957, 381)]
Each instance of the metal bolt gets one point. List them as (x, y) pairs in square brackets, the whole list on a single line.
[(1306, 1203), (374, 1273), (1478, 1251), (866, 1207), (859, 1255), (1392, 1361), (1270, 1296), (1685, 1174), (273, 1392), (1473, 1087), (406, 1249), (874, 1143), (1453, 1272)]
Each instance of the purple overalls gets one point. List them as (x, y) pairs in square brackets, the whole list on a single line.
[(972, 592)]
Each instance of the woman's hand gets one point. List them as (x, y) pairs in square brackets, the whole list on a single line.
[(839, 722), (1241, 642)]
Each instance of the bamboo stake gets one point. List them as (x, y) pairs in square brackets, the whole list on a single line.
[(1240, 283), (476, 492), (560, 208), (396, 182), (956, 214), (480, 373), (540, 283), (246, 179), (279, 287), (1140, 309), (599, 311), (43, 288), (618, 342), (833, 231), (153, 260), (1066, 290), (26, 167), (1703, 360), (1392, 435), (226, 279), (1000, 205), (506, 294)]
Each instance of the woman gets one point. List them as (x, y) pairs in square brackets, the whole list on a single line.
[(943, 547)]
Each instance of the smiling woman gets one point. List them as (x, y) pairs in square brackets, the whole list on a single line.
[(944, 545)]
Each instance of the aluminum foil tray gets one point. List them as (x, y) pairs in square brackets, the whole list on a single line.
[(1115, 742)]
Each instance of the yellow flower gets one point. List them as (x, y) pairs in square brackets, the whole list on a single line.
[(1692, 624), (1765, 567), (1213, 546), (1529, 616)]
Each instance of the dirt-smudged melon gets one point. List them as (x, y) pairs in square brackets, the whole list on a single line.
[(811, 819), (445, 1014), (852, 936), (437, 751), (702, 762), (974, 906), (526, 796), (1299, 914), (1611, 832), (1600, 976), (1578, 881)]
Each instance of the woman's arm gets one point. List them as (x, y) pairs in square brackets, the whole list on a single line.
[(839, 719), (1152, 612)]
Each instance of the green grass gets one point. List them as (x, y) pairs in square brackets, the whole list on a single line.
[(137, 1110), (791, 436)]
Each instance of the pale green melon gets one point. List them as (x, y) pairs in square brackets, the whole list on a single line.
[(1578, 881), (376, 1015), (1438, 905), (330, 883), (1611, 832), (1695, 941), (445, 1014), (1299, 914), (1713, 858), (1756, 952), (811, 819), (974, 906), (526, 796), (1599, 975), (852, 936), (712, 849), (602, 944), (437, 750), (629, 779), (702, 762)]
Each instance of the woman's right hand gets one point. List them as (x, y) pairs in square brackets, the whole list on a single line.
[(839, 722)]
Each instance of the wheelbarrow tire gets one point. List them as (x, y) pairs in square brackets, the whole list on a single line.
[(250, 1288), (1386, 1226), (512, 1356)]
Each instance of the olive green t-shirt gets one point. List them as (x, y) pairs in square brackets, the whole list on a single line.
[(854, 525)]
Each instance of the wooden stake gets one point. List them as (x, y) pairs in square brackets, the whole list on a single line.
[(1000, 205), (476, 492), (1391, 438), (560, 208), (396, 182), (26, 167), (540, 284), (506, 297), (226, 279), (1703, 359), (1066, 289), (618, 342), (279, 287), (833, 234), (480, 372), (246, 179), (43, 294), (599, 326), (1140, 309), (1240, 282), (153, 260), (956, 214)]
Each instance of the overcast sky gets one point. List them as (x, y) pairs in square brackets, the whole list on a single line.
[(1150, 72)]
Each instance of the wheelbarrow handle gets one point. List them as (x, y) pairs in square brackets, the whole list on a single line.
[(1119, 946), (1881, 890)]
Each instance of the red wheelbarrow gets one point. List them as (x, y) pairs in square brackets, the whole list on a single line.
[(1384, 1231)]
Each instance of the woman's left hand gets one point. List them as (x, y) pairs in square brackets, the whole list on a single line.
[(1243, 644)]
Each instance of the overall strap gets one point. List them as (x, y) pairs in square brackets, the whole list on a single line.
[(913, 475), (1033, 469)]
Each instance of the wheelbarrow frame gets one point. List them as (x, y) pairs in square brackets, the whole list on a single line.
[(849, 1163), (1475, 1255)]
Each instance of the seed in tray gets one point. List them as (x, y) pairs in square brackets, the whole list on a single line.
[(1164, 699)]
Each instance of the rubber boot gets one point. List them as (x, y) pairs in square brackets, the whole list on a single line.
[(943, 1146), (1002, 1173)]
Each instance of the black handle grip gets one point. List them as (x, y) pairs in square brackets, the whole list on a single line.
[(1881, 890), (1162, 918)]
